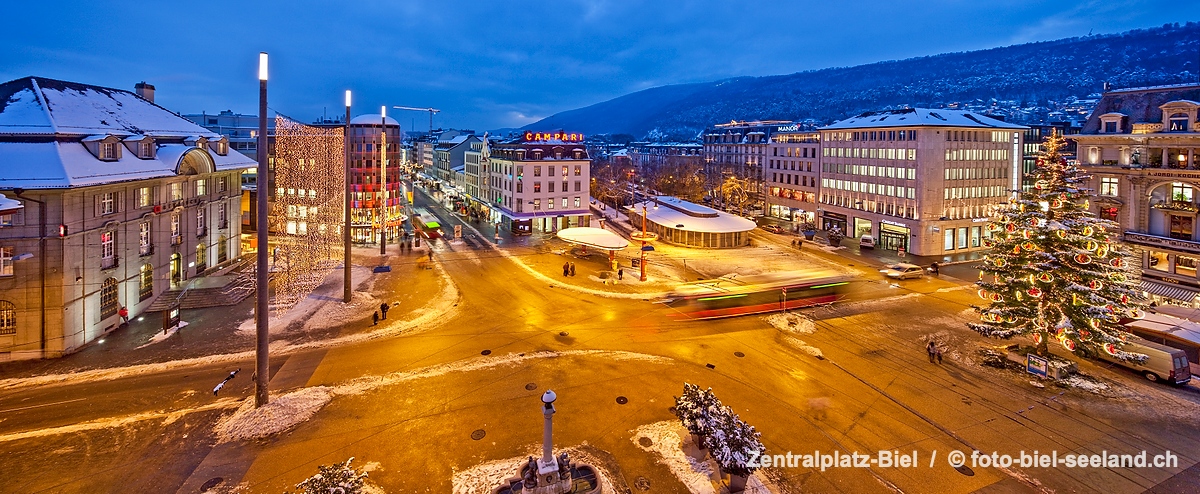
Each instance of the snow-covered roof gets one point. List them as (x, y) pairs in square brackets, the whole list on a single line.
[(39, 106), (673, 212), (593, 237), (921, 117), (9, 205), (58, 165), (372, 119), (45, 124), (1161, 323)]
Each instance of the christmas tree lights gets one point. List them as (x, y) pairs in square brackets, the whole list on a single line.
[(1058, 272)]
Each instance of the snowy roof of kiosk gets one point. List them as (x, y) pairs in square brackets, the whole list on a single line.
[(372, 119), (921, 117), (598, 238), (1162, 323), (674, 212)]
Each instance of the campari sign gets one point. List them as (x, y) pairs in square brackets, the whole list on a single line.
[(531, 136)]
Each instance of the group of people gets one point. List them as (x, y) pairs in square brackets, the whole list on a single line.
[(568, 269), (382, 308), (798, 243)]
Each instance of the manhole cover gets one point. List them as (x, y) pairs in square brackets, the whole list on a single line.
[(642, 483), (530, 387), (965, 470), (210, 483), (478, 434), (621, 400), (486, 352), (563, 333), (645, 441), (739, 354)]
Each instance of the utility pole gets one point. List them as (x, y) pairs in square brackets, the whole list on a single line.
[(262, 333), (346, 281)]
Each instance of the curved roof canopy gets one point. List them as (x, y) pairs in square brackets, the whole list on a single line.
[(593, 237)]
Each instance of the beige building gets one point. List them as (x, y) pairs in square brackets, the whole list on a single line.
[(540, 182), (920, 180), (1140, 147), (122, 200)]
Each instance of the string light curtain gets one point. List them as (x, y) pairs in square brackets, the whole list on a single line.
[(306, 217)]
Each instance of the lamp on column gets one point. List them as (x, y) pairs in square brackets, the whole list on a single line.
[(263, 182), (346, 281)]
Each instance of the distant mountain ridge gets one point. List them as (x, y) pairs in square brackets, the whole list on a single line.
[(1026, 73)]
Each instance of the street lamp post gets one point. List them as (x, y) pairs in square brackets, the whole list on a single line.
[(383, 179), (262, 333), (346, 216), (642, 263)]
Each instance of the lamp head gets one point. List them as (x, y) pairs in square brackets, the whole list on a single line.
[(548, 397), (262, 66), (347, 98), (383, 112)]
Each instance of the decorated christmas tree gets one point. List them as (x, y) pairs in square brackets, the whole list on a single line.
[(1055, 270)]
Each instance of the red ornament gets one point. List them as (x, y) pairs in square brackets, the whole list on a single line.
[(1034, 292), (1117, 262), (1083, 258), (1010, 227), (1095, 284), (1069, 344)]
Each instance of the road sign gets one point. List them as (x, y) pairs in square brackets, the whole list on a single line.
[(1036, 365), (457, 231)]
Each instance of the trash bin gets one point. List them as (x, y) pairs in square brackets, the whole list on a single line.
[(637, 262)]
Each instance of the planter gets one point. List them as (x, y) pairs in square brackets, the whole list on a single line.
[(809, 234), (698, 440), (737, 483)]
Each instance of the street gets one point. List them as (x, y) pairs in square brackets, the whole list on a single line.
[(408, 403)]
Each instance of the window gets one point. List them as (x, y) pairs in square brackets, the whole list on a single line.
[(962, 238), (176, 236), (537, 187), (144, 246), (108, 249), (1181, 192), (147, 149), (1110, 127), (564, 200), (949, 243), (975, 236), (1109, 213), (222, 216), (108, 203), (108, 151), (201, 188), (578, 170), (201, 257), (1178, 123), (146, 282), (176, 191), (108, 298), (201, 226), (222, 186), (577, 186), (1109, 186), (143, 197), (537, 171), (7, 219), (8, 317), (519, 186), (537, 204), (576, 201), (550, 185), (6, 261)]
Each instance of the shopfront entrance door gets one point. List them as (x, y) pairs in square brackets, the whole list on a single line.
[(890, 239)]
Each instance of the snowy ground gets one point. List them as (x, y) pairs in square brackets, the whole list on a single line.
[(673, 447), (482, 478)]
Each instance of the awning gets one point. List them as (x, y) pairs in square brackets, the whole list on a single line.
[(1170, 291)]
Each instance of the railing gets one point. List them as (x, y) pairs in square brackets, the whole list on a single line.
[(200, 232), (110, 262), (146, 250), (1186, 206)]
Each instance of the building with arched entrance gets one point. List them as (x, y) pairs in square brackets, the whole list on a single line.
[(122, 199), (1140, 147)]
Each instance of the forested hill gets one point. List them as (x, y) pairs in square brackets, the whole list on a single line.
[(1023, 75)]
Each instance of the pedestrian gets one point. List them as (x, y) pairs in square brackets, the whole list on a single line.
[(384, 308), (799, 244), (939, 354), (934, 267), (430, 253), (930, 349), (620, 274), (566, 269), (124, 313), (793, 243), (572, 269), (375, 318)]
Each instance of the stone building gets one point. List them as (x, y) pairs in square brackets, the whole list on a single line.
[(122, 199)]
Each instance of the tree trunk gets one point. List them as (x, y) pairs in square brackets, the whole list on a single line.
[(1043, 347)]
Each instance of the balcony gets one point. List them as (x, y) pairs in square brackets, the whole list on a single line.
[(110, 262), (1147, 128), (176, 239), (146, 250), (1176, 205)]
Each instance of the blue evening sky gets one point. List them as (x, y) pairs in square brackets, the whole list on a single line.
[(504, 64)]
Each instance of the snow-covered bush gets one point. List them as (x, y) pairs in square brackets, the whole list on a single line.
[(339, 478), (733, 443), (695, 409)]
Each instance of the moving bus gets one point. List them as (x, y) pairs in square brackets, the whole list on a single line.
[(425, 225), (737, 295)]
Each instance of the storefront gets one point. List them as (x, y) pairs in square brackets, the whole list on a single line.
[(829, 220), (1169, 274), (862, 226), (893, 235)]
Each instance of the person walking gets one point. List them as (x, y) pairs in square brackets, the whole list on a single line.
[(566, 269), (934, 267), (620, 274), (124, 313), (799, 244), (930, 349), (793, 243), (375, 318), (939, 354), (572, 269), (384, 308)]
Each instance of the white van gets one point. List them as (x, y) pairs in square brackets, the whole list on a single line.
[(866, 242), (1163, 363)]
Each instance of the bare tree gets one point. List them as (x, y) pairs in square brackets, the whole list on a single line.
[(736, 192)]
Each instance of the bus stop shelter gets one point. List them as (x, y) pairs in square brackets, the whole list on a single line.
[(596, 238)]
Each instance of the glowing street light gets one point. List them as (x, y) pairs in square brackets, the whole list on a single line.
[(261, 319)]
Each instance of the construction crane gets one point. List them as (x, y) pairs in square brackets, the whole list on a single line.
[(430, 110)]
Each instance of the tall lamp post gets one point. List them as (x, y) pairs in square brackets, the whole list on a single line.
[(346, 215), (383, 179), (642, 263), (260, 288)]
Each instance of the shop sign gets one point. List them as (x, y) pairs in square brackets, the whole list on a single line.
[(980, 220), (788, 128), (834, 216), (1156, 241), (531, 136), (893, 223)]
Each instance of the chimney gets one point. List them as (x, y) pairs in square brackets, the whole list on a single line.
[(144, 91)]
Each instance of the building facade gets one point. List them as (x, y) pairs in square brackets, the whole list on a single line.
[(122, 200), (647, 156), (793, 175), (740, 149), (1140, 147), (368, 212), (540, 182), (924, 181)]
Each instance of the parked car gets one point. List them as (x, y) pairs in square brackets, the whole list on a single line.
[(903, 271), (773, 228), (866, 242)]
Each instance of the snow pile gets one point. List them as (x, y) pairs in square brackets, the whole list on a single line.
[(280, 414), (163, 336), (482, 478), (665, 442), (801, 345), (1083, 382), (791, 322)]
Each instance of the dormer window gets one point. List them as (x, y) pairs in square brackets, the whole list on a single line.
[(1110, 127), (108, 151), (221, 147), (147, 150), (1178, 122)]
